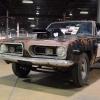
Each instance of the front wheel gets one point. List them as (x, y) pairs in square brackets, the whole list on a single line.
[(21, 70), (80, 71)]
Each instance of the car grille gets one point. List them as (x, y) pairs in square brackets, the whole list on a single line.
[(18, 49), (41, 50)]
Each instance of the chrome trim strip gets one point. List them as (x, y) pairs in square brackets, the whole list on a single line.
[(38, 61)]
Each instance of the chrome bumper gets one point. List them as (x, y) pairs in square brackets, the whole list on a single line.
[(37, 61)]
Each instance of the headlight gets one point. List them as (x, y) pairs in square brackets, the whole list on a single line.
[(3, 48), (48, 51), (12, 49), (61, 52)]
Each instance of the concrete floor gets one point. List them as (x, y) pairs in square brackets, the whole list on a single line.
[(44, 86)]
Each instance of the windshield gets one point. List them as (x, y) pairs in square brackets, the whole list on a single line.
[(72, 27)]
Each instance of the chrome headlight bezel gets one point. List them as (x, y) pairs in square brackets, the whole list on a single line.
[(3, 48), (61, 52)]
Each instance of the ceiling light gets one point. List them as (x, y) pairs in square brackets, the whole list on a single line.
[(31, 18), (27, 1), (32, 25), (70, 14), (37, 7), (83, 12), (37, 13)]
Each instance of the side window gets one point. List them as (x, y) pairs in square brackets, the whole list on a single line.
[(85, 28)]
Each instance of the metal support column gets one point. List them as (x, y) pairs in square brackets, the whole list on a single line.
[(98, 12), (7, 24), (17, 29)]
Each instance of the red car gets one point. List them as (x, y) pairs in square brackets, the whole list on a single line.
[(72, 45)]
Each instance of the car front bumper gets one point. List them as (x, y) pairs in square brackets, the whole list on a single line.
[(37, 61)]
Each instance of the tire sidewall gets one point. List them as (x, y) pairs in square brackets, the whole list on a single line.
[(82, 82), (18, 72)]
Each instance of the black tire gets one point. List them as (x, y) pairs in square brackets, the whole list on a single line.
[(80, 71), (21, 70)]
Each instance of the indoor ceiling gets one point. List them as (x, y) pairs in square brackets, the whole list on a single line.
[(44, 12)]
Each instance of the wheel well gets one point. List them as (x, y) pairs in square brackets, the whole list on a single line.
[(89, 53)]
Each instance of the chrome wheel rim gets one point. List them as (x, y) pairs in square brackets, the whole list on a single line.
[(83, 68)]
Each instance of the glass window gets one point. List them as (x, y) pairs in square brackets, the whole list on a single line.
[(73, 27)]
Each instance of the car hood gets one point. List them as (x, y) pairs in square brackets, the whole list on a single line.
[(64, 38)]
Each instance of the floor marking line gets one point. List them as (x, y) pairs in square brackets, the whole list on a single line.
[(13, 89)]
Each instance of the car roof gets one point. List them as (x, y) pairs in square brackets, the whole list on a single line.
[(74, 21)]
